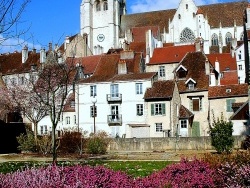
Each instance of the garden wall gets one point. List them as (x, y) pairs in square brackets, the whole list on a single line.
[(166, 143)]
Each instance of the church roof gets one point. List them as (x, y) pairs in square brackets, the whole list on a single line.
[(225, 13), (139, 32)]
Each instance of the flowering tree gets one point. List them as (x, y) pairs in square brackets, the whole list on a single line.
[(22, 98)]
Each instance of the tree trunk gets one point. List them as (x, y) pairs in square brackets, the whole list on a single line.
[(35, 134), (54, 146)]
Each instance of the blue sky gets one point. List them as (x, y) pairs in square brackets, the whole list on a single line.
[(52, 20)]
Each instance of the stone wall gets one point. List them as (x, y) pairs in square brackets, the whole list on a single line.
[(169, 143)]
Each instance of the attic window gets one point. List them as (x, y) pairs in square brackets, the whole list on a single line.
[(182, 73), (227, 68), (228, 90), (190, 85)]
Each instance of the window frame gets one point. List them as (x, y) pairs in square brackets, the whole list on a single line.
[(158, 128), (93, 90), (139, 88), (158, 109), (105, 5), (192, 99), (139, 109), (98, 6), (183, 122), (162, 71), (67, 120)]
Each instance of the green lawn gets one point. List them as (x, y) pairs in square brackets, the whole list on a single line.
[(133, 168)]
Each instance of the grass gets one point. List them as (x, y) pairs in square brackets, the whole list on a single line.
[(133, 168)]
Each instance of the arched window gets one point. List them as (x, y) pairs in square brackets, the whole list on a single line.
[(105, 5), (187, 35), (215, 40), (228, 37), (98, 6), (242, 36)]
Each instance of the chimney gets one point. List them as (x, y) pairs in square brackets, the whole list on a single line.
[(207, 67), (217, 65), (42, 55), (24, 54)]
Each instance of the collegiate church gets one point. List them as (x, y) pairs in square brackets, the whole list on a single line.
[(106, 25)]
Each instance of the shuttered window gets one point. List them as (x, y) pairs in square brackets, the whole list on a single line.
[(158, 109)]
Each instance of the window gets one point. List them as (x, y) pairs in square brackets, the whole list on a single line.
[(75, 119), (229, 104), (186, 6), (105, 5), (190, 85), (184, 124), (158, 109), (158, 127), (228, 38), (93, 111), (179, 16), (41, 130), (240, 67), (182, 73), (98, 6), (93, 91), (187, 35), (242, 36), (114, 90), (138, 88), (196, 104), (72, 104), (67, 120), (139, 109), (162, 71), (21, 80), (45, 129), (239, 55), (214, 40)]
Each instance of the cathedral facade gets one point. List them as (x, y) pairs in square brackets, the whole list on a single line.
[(217, 26)]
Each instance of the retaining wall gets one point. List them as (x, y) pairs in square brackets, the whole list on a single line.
[(166, 143)]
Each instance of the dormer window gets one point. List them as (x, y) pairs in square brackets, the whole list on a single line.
[(190, 83), (181, 72), (228, 90)]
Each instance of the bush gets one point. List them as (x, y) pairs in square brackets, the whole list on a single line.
[(70, 142), (98, 143), (26, 141), (44, 144), (222, 135)]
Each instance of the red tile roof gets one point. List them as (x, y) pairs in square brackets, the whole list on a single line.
[(194, 62), (184, 112), (172, 54), (229, 77), (160, 90), (225, 61), (236, 90), (138, 47), (139, 33), (12, 63)]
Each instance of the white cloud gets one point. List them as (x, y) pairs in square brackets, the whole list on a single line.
[(12, 44), (149, 5)]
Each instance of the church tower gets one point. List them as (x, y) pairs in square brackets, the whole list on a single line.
[(100, 23)]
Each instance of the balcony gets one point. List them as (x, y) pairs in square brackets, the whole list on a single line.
[(114, 98), (115, 119)]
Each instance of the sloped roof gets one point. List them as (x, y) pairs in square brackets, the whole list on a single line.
[(225, 13), (235, 90), (194, 62), (12, 63), (229, 77), (184, 112), (226, 61), (138, 47), (160, 90), (242, 113), (171, 54), (139, 33)]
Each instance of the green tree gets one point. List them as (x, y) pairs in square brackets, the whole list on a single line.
[(222, 135)]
